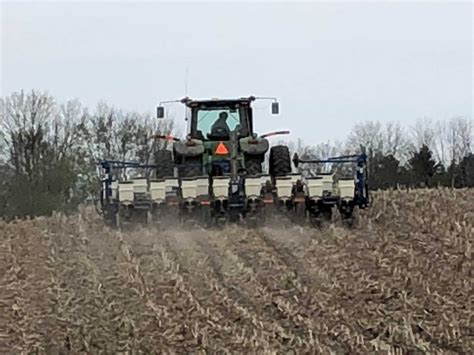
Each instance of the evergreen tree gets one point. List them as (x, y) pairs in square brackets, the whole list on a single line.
[(384, 171), (423, 166), (467, 170)]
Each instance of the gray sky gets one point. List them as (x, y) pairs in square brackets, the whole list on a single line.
[(330, 64)]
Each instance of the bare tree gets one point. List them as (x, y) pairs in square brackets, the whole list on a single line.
[(423, 133), (440, 145), (25, 124), (66, 127), (395, 140), (459, 138), (367, 134), (452, 139), (375, 138), (3, 147)]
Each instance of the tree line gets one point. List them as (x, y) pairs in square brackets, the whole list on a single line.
[(427, 154), (49, 150)]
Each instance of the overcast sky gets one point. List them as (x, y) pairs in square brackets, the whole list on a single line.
[(330, 64)]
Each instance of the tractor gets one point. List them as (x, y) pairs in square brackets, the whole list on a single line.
[(221, 146), (216, 174), (221, 141)]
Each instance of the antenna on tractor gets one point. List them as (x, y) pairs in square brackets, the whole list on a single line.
[(186, 92), (186, 82)]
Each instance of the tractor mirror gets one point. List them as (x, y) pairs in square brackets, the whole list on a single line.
[(160, 112), (275, 108)]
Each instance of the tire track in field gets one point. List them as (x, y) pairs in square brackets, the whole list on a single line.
[(247, 294), (275, 278), (298, 248), (184, 255), (185, 319), (309, 292), (144, 323), (199, 257), (218, 323), (190, 253)]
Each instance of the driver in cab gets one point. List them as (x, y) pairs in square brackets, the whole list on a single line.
[(220, 127)]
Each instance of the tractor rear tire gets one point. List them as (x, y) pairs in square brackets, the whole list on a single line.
[(191, 168), (253, 165), (279, 161), (164, 160)]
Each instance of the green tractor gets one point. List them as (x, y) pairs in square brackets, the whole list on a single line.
[(221, 146)]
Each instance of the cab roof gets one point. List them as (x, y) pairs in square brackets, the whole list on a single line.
[(217, 102)]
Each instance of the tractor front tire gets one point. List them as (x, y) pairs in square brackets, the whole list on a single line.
[(279, 161)]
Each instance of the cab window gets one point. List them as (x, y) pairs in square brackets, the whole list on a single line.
[(207, 119)]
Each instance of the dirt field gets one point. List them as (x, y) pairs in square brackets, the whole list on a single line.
[(400, 282)]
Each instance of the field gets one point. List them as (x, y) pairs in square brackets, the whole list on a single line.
[(400, 282)]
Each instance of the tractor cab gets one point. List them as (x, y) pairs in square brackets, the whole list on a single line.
[(215, 120)]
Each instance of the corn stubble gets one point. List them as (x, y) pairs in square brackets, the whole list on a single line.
[(400, 282)]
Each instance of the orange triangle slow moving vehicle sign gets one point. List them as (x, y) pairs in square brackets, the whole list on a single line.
[(222, 149)]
